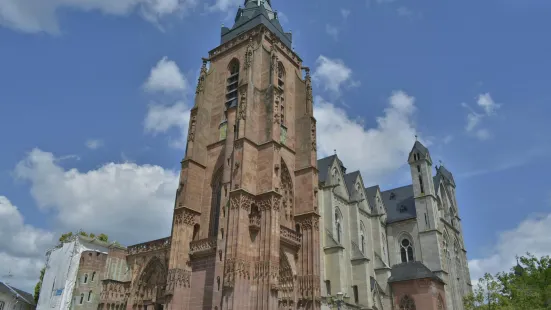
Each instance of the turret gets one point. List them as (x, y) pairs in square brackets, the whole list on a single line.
[(420, 163)]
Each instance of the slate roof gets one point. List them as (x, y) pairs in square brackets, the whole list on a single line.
[(349, 180), (400, 204), (253, 15), (371, 192), (22, 295), (411, 271), (323, 167), (420, 147), (445, 173)]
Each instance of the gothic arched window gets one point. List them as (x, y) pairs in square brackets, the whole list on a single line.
[(406, 250), (286, 216), (338, 220), (446, 250), (362, 237), (231, 83), (215, 204), (89, 295), (81, 298), (407, 303)]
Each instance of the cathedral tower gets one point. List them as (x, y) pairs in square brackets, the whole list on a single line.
[(245, 231)]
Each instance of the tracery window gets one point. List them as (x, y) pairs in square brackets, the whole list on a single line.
[(231, 83), (446, 250), (286, 216), (407, 303), (406, 250), (338, 220)]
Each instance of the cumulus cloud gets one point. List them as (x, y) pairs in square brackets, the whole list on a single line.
[(22, 247), (162, 116), (129, 202), (35, 16), (345, 13), (475, 118), (225, 5), (166, 76), (94, 144), (333, 75), (531, 235), (377, 151)]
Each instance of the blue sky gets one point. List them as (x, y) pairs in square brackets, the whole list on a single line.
[(94, 98)]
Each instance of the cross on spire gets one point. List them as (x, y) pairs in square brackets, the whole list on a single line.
[(416, 138)]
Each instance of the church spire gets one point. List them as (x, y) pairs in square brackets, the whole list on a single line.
[(254, 13)]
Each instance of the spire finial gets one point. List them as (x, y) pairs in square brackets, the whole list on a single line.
[(416, 138), (441, 163), (335, 150)]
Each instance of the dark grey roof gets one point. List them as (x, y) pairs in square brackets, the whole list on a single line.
[(253, 15), (323, 167), (420, 147), (22, 295), (349, 180), (411, 271), (371, 193), (445, 173), (399, 203)]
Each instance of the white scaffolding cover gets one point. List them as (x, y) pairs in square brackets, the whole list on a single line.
[(61, 272)]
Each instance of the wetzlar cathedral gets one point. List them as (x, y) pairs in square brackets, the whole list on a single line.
[(260, 223)]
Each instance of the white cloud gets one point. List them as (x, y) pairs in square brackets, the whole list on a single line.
[(531, 235), (376, 151), (332, 31), (161, 118), (94, 144), (225, 5), (129, 202), (34, 16), (22, 247), (166, 76), (486, 102), (345, 13), (333, 75), (474, 118)]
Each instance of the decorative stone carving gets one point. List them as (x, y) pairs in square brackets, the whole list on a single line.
[(290, 236), (313, 136), (184, 216), (309, 96), (192, 124), (177, 277), (249, 54), (155, 245), (277, 112), (287, 199), (202, 76), (241, 200), (202, 246), (242, 114)]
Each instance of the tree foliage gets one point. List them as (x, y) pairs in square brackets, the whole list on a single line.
[(62, 239), (526, 286), (39, 285)]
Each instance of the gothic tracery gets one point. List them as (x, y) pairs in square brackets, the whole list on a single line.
[(286, 210)]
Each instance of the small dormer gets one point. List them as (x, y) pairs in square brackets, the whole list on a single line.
[(419, 153)]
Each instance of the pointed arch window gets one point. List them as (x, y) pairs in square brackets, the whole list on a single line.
[(215, 204), (232, 82), (446, 251), (406, 250), (93, 276), (338, 227), (362, 237), (286, 215), (407, 303), (81, 298), (89, 296)]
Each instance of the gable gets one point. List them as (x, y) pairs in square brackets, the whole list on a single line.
[(400, 204)]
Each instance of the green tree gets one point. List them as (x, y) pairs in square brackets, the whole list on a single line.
[(527, 286), (65, 237), (103, 237), (39, 285)]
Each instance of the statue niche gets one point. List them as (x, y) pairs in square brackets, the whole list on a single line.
[(286, 211)]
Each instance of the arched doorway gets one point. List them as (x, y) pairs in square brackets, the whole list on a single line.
[(149, 290), (286, 283)]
